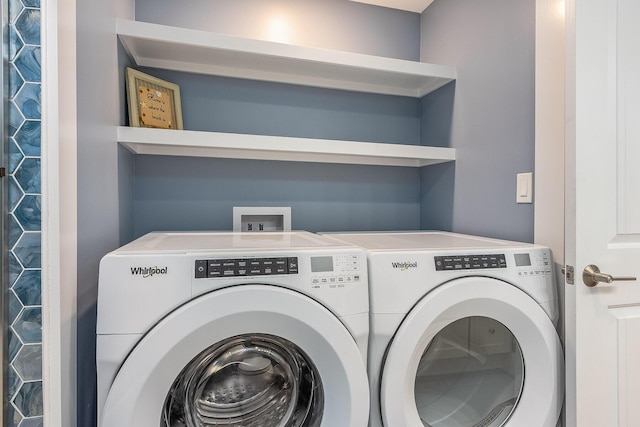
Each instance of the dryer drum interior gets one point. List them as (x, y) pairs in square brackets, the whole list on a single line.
[(471, 374), (249, 381)]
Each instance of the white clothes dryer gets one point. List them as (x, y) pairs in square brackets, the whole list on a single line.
[(233, 329), (462, 331)]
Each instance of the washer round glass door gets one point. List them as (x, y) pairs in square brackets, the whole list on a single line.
[(251, 355), (475, 352), (250, 380)]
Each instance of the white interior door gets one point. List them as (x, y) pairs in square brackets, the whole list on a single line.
[(603, 211)]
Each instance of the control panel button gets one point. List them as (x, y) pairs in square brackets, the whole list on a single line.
[(201, 269), (215, 273), (292, 265)]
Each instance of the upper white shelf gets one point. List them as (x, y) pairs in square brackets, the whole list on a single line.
[(161, 46), (263, 147)]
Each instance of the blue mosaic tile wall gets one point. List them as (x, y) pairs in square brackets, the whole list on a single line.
[(25, 304)]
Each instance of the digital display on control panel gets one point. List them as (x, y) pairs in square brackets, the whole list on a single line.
[(321, 264), (523, 260)]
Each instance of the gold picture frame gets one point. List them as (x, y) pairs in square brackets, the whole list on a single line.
[(153, 103)]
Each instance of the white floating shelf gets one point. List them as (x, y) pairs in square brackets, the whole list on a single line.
[(161, 46), (262, 147)]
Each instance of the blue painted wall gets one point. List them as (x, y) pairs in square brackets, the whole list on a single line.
[(180, 193), (489, 118)]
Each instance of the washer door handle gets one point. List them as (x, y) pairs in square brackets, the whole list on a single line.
[(591, 276)]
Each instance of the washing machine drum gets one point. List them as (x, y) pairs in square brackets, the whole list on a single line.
[(246, 356), (476, 352), (247, 381)]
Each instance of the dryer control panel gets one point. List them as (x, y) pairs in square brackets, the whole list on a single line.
[(242, 267), (470, 262), (526, 263)]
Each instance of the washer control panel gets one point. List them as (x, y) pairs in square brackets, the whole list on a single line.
[(242, 267), (470, 262), (335, 271)]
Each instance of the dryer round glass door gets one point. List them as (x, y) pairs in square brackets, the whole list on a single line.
[(474, 352), (471, 374), (247, 381), (250, 355)]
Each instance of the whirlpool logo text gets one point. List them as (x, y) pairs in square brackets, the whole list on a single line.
[(405, 265), (148, 271)]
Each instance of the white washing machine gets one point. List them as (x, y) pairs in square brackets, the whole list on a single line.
[(462, 331), (225, 329)]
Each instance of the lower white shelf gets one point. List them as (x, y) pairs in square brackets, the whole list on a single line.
[(262, 147)]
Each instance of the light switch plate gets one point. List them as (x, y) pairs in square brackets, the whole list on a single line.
[(524, 187)]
